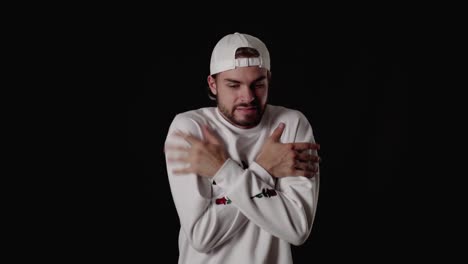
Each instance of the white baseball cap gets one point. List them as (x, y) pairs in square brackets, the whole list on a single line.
[(223, 57)]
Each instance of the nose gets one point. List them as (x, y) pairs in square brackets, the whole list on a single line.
[(247, 95)]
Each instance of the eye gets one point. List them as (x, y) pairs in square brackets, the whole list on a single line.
[(233, 85)]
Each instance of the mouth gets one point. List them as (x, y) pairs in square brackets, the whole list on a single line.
[(246, 109)]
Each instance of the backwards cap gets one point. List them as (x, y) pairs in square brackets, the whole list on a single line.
[(223, 57)]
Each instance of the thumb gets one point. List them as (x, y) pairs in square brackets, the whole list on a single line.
[(209, 135), (276, 135)]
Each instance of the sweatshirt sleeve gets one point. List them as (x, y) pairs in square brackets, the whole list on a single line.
[(285, 210), (206, 220)]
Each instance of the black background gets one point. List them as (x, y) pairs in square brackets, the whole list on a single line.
[(351, 81)]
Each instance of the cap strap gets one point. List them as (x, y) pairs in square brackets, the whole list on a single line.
[(245, 62)]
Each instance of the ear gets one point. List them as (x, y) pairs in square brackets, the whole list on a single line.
[(212, 84)]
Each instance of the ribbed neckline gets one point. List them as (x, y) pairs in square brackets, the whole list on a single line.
[(243, 130)]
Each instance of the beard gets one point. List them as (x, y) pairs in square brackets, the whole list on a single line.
[(249, 120)]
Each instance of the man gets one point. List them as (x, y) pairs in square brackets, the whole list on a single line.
[(244, 175)]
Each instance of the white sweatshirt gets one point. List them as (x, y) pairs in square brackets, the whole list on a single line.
[(242, 214)]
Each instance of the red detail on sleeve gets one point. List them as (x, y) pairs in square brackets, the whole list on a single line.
[(221, 201)]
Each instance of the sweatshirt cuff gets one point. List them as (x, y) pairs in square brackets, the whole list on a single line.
[(262, 173), (228, 173)]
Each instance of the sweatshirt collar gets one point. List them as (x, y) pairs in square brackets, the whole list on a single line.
[(242, 130)]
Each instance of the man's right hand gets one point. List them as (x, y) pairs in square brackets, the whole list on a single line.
[(288, 159)]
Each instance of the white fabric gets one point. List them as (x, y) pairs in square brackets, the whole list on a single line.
[(242, 215)]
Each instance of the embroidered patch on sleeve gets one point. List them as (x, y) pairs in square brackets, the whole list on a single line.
[(223, 200), (265, 193)]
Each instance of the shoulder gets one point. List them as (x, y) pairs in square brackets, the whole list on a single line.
[(196, 115), (295, 120), (284, 113), (298, 127), (190, 120)]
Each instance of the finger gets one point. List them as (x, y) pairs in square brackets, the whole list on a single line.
[(315, 169), (304, 156), (306, 166), (189, 138), (209, 135), (302, 166), (315, 159), (178, 159), (182, 171), (305, 173), (276, 135), (176, 148), (300, 146)]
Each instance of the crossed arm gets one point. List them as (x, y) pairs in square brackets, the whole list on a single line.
[(205, 157), (288, 215)]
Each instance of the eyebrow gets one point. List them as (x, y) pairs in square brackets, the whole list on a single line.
[(235, 81)]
